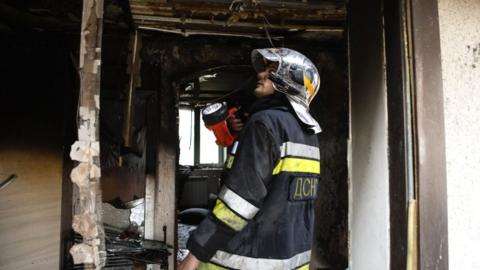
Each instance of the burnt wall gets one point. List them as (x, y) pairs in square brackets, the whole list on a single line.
[(166, 59), (37, 106)]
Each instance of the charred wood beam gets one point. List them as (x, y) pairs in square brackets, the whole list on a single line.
[(216, 10), (132, 84), (291, 16), (308, 14), (6, 29), (128, 13), (165, 194), (185, 21), (187, 33), (17, 19), (87, 199), (327, 4)]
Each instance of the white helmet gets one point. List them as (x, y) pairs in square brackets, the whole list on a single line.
[(296, 77)]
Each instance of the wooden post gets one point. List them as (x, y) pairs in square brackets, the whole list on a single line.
[(150, 211), (165, 205), (87, 199)]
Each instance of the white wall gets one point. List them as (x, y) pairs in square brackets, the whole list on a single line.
[(368, 156), (369, 200), (460, 42)]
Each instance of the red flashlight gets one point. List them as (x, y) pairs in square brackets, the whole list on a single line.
[(215, 118)]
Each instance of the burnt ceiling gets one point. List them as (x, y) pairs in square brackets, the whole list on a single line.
[(250, 18), (241, 17)]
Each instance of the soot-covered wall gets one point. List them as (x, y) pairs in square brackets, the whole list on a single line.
[(37, 107)]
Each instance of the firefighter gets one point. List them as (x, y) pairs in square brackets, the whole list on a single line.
[(263, 217)]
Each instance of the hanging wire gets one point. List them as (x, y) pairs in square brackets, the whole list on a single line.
[(241, 87), (266, 24)]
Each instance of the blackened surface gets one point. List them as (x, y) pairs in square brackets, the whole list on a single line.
[(38, 111), (396, 131), (432, 184), (70, 116), (166, 59), (33, 72), (330, 107)]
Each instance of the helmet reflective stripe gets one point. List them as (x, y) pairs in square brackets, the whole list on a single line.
[(309, 86)]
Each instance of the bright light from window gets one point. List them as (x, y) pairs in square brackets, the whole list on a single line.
[(187, 136), (208, 147), (209, 150)]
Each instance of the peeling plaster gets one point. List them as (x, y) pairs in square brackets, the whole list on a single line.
[(82, 253), (80, 151), (97, 101), (85, 225), (83, 50), (86, 130), (96, 64), (85, 151), (79, 175), (99, 9), (95, 172)]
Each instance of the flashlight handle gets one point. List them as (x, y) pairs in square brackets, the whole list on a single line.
[(231, 114)]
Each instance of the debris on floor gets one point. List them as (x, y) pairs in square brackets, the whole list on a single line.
[(124, 238), (183, 231)]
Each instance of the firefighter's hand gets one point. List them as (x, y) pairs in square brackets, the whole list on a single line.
[(235, 123), (190, 263)]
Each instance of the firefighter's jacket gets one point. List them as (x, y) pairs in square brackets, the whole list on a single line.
[(263, 217)]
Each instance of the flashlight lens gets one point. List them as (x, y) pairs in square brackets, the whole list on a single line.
[(212, 108)]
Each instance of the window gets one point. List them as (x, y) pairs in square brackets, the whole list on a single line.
[(209, 151), (229, 84), (186, 136)]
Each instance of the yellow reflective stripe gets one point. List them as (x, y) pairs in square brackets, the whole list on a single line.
[(209, 266), (301, 165), (227, 216), (304, 267), (229, 162)]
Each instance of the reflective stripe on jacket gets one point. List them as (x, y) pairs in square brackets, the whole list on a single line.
[(263, 217)]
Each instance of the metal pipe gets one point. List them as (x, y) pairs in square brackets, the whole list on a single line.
[(412, 207), (409, 111), (8, 181)]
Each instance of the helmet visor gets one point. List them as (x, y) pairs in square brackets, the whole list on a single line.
[(261, 58)]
